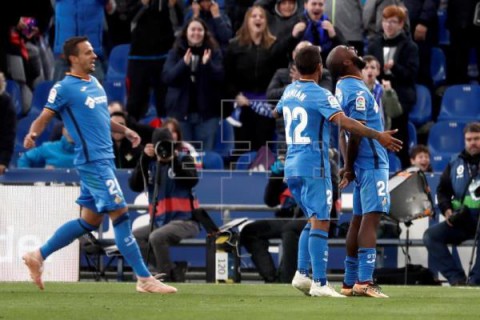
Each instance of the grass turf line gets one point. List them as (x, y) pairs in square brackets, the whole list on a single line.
[(112, 301)]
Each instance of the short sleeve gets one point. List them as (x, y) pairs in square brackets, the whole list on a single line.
[(56, 100), (357, 105)]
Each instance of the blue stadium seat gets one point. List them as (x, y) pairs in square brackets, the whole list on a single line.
[(394, 162), (116, 91), (460, 103), (445, 140), (212, 161), (421, 112), (443, 33), (412, 135), (244, 161), (118, 62), (224, 140), (438, 66), (40, 95), (13, 89)]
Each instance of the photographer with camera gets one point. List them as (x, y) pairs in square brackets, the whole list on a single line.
[(168, 175), (461, 207)]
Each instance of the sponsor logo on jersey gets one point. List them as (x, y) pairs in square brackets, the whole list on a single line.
[(90, 102), (339, 95)]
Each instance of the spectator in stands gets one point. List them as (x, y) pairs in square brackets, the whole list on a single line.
[(217, 21), (460, 204), (236, 10), (424, 31), (373, 16), (170, 176), (383, 93), (420, 157), (126, 156), (317, 28), (8, 121), (119, 24), (398, 57), (193, 73), (463, 22), (183, 146), (90, 127), (346, 16), (282, 15), (152, 36), (80, 18), (144, 131), (50, 155), (288, 226), (250, 62)]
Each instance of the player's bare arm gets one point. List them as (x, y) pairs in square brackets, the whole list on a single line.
[(347, 173), (384, 138), (131, 135), (37, 127)]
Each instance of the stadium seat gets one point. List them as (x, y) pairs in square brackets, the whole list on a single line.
[(412, 135), (422, 110), (224, 140), (445, 140), (394, 162), (443, 33), (438, 66), (13, 89), (460, 103), (118, 62), (244, 161), (40, 95), (116, 91), (212, 161)]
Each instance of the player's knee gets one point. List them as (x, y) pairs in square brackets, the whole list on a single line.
[(117, 219)]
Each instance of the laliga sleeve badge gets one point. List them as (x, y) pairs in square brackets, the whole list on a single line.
[(360, 103)]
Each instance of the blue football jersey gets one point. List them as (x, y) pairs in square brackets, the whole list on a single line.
[(82, 105), (307, 109), (358, 103)]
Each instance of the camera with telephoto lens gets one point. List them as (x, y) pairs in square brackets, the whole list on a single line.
[(164, 149)]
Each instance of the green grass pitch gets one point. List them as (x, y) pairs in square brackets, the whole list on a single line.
[(112, 301)]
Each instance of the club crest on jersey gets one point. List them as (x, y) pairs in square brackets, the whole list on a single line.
[(333, 102), (90, 102), (360, 103), (52, 95)]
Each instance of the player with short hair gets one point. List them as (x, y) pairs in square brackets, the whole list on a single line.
[(366, 162), (80, 100), (307, 110)]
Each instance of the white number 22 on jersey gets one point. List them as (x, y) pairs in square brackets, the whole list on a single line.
[(298, 113)]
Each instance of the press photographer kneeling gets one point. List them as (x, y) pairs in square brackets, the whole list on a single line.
[(168, 176), (458, 194)]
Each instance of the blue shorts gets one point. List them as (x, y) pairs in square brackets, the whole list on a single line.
[(313, 195), (371, 191), (99, 188)]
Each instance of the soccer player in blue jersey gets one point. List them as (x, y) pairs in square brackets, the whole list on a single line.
[(79, 99), (366, 162), (307, 110)]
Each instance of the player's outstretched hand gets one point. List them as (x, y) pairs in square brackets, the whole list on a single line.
[(29, 141), (133, 137), (387, 140)]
